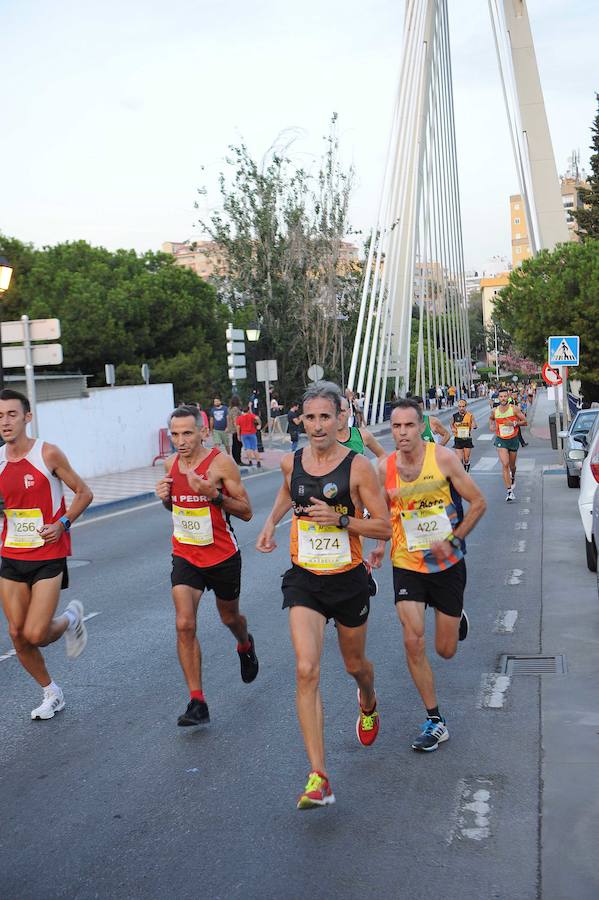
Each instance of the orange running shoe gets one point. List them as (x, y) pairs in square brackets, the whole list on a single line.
[(368, 724), (316, 793)]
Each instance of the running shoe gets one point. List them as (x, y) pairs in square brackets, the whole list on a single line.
[(249, 662), (464, 626), (367, 725), (76, 634), (434, 732), (510, 496), (259, 465), (316, 793), (195, 714), (52, 703)]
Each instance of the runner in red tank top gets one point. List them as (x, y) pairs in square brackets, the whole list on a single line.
[(202, 489), (35, 546)]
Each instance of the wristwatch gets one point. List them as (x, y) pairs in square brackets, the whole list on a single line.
[(66, 523), (455, 542), (343, 521), (219, 499)]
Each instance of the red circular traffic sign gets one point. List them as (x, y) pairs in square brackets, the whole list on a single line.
[(551, 376)]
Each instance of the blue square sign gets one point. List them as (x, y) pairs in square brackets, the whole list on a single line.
[(564, 350)]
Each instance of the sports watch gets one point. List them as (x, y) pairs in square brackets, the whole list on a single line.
[(343, 521), (455, 542), (66, 523), (219, 499)]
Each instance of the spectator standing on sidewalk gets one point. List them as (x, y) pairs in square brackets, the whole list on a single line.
[(234, 413), (451, 394), (294, 420), (218, 425), (247, 425)]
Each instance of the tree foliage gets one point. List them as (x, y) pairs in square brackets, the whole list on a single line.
[(122, 308), (587, 218), (281, 229), (556, 293)]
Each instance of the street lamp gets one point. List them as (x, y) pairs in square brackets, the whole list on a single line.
[(5, 276), (342, 318), (252, 332)]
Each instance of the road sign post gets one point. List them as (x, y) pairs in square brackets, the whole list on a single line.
[(266, 371), (235, 355)]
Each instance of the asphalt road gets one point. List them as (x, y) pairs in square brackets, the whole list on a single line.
[(110, 800)]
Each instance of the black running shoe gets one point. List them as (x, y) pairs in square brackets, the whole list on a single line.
[(249, 662), (195, 714), (464, 626)]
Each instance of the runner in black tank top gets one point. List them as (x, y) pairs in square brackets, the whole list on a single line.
[(327, 487)]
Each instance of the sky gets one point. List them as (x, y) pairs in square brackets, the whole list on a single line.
[(114, 113)]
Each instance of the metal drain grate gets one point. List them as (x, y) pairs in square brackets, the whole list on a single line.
[(532, 664)]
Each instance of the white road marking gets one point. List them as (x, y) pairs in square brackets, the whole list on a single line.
[(514, 577), (526, 465), (12, 653), (485, 437), (493, 688), (119, 512), (526, 500), (90, 616), (521, 526), (485, 464), (525, 512), (519, 547), (506, 621), (472, 816)]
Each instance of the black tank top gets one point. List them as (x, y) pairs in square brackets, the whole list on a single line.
[(333, 488)]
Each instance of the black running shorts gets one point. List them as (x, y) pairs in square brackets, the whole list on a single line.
[(461, 443), (344, 597), (31, 570), (442, 590), (224, 579)]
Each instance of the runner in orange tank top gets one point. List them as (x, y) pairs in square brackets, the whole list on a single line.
[(424, 484), (202, 489), (35, 546)]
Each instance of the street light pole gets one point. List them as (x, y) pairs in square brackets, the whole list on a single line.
[(341, 318), (5, 276), (496, 355)]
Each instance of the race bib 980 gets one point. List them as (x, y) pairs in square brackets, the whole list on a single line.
[(193, 526)]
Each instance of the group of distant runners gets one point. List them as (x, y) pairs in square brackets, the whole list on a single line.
[(413, 499)]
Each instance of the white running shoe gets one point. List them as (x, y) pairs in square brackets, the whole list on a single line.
[(52, 703), (76, 635), (510, 495)]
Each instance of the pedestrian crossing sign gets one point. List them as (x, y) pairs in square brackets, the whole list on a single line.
[(564, 350)]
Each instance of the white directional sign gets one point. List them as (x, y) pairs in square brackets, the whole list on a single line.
[(42, 355), (266, 370), (564, 350), (235, 360), (237, 374), (234, 334), (235, 346), (39, 330)]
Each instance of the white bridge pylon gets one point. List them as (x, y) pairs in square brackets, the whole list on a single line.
[(412, 331)]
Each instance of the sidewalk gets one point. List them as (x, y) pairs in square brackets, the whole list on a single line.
[(569, 704)]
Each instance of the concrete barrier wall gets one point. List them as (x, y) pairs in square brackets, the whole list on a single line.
[(112, 430)]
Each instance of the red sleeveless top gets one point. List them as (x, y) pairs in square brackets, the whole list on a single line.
[(33, 497), (202, 533)]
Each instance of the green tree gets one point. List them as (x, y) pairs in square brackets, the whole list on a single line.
[(281, 230), (587, 218), (556, 292), (476, 327), (123, 308)]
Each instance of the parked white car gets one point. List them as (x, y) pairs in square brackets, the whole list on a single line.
[(589, 479)]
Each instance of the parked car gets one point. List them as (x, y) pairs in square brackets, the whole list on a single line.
[(595, 528), (589, 479), (581, 425)]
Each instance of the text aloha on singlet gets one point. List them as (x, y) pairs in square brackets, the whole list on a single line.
[(323, 549)]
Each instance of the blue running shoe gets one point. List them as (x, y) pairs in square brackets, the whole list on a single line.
[(434, 732)]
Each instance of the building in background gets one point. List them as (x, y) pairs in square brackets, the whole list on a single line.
[(519, 230)]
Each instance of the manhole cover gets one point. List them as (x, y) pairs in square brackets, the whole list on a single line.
[(532, 664)]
